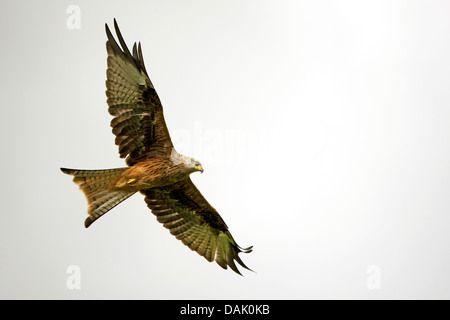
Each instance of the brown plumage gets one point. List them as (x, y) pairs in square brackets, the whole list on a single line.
[(154, 167)]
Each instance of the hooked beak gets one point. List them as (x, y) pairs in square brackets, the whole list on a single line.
[(199, 168)]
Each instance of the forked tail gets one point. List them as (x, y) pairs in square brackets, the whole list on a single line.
[(94, 184)]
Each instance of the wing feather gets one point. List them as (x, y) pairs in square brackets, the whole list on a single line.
[(138, 122), (183, 210)]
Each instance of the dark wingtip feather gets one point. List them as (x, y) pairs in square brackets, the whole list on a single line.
[(121, 40), (89, 220), (108, 33), (136, 58), (238, 250), (232, 265), (123, 48), (67, 171), (242, 263), (135, 55), (112, 42), (245, 250), (141, 58)]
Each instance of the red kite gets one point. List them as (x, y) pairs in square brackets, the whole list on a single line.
[(154, 167)]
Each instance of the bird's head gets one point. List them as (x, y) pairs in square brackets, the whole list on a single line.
[(197, 165), (192, 164)]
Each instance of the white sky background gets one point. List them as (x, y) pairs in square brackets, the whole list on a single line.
[(322, 127)]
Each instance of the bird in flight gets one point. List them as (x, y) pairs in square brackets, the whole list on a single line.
[(154, 167)]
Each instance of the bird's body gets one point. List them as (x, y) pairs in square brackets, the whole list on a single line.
[(154, 167), (151, 173)]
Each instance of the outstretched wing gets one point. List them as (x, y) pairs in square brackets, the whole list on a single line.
[(138, 123), (183, 210)]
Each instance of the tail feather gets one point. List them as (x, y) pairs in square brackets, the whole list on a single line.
[(94, 184)]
